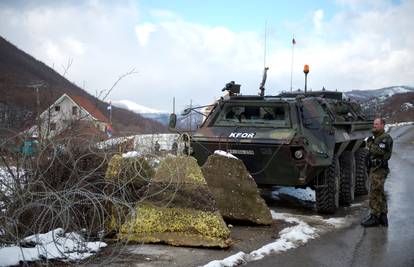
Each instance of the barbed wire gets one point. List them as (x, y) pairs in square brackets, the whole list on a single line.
[(63, 183)]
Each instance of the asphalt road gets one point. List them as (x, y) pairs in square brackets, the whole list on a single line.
[(358, 246), (351, 245)]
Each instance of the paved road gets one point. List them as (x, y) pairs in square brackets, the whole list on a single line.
[(357, 246)]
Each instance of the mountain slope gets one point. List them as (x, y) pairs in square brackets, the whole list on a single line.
[(137, 108), (395, 103), (18, 108), (190, 121), (365, 95)]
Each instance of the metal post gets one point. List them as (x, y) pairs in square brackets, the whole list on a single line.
[(110, 115), (191, 115), (306, 71), (38, 114), (36, 86), (306, 82)]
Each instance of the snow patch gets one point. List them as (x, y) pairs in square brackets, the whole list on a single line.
[(233, 260), (131, 154), (289, 238), (338, 222), (389, 126), (303, 194), (145, 143), (225, 154), (137, 108), (55, 244)]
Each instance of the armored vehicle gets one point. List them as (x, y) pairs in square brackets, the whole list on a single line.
[(298, 139)]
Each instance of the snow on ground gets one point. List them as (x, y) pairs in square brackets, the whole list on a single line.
[(389, 126), (7, 182), (395, 90), (233, 260), (131, 154), (137, 108), (299, 193), (145, 143), (55, 244), (304, 228), (225, 154)]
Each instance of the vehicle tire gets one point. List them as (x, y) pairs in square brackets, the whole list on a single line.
[(362, 182), (347, 181), (327, 192)]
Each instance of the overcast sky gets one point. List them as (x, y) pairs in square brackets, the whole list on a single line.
[(190, 49)]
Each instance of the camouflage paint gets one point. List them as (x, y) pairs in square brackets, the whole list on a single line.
[(321, 125)]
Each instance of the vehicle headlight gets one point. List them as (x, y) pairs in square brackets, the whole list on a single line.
[(298, 154)]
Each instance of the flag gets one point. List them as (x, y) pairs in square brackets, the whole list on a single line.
[(110, 106), (109, 130), (293, 41)]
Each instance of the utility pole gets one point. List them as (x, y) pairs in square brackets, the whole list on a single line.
[(110, 112), (191, 115), (36, 86)]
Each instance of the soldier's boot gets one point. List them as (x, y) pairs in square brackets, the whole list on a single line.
[(372, 221), (367, 218), (383, 219)]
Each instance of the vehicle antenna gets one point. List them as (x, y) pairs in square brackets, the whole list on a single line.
[(291, 65), (262, 84), (264, 45)]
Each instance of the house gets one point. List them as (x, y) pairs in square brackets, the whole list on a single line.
[(66, 112)]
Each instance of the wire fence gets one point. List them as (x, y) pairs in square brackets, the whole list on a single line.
[(66, 183)]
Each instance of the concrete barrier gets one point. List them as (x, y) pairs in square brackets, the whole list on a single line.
[(177, 208), (235, 191)]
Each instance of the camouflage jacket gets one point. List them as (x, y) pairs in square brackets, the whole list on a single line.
[(380, 150)]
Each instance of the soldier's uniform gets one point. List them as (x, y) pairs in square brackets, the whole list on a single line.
[(380, 150)]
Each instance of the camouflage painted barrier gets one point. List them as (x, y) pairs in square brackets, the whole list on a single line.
[(130, 175), (176, 208), (235, 191)]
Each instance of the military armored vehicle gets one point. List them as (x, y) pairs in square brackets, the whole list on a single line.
[(298, 139)]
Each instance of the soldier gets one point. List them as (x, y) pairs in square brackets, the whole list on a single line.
[(380, 149), (157, 147), (174, 148)]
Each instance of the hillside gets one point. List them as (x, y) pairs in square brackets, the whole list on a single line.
[(19, 70), (395, 103), (366, 95)]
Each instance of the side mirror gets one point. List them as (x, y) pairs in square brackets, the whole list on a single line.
[(173, 121)]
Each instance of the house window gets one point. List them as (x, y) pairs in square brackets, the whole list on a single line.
[(57, 108), (74, 110), (52, 126)]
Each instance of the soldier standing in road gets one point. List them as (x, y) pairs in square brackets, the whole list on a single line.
[(380, 150)]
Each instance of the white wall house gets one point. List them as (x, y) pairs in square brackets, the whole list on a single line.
[(64, 112)]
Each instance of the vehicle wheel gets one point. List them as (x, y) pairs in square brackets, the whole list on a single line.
[(327, 192), (347, 182), (361, 177)]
